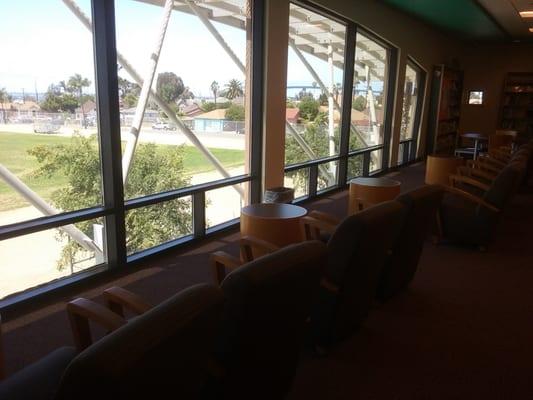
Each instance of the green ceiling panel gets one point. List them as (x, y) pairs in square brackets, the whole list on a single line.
[(464, 17)]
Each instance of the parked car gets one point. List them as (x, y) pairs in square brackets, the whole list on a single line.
[(46, 125), (164, 126)]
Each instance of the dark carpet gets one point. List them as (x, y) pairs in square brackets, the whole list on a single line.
[(464, 329)]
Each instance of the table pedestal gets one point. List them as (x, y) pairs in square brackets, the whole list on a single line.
[(372, 191), (439, 168), (275, 223)]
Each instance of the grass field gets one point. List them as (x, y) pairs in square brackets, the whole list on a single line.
[(14, 156)]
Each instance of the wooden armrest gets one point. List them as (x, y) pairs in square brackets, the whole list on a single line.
[(471, 197), (475, 173), (80, 311), (493, 162), (220, 263), (486, 164), (324, 217), (311, 227), (469, 181), (118, 298), (248, 243)]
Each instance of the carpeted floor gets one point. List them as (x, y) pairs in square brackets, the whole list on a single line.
[(462, 331)]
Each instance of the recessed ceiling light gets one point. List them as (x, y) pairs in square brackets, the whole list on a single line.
[(526, 14)]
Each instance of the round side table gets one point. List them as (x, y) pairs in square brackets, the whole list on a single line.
[(274, 222), (372, 191), (439, 168)]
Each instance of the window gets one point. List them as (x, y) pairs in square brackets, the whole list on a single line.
[(410, 101), (371, 77), (411, 110), (314, 94), (184, 145), (475, 97), (191, 129), (49, 143)]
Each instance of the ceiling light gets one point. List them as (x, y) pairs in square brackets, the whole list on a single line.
[(531, 30), (526, 14)]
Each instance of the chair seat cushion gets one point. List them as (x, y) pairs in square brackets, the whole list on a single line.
[(39, 380)]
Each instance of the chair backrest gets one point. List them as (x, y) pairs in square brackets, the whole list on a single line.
[(267, 303), (421, 210), (163, 351), (357, 252), (499, 140), (511, 133), (502, 188)]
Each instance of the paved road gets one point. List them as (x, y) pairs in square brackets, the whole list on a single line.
[(222, 140)]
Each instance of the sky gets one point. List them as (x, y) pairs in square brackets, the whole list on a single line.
[(42, 42)]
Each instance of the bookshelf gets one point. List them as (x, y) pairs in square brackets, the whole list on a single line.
[(445, 109), (516, 107)]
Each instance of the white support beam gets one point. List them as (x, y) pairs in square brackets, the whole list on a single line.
[(196, 10), (135, 129), (46, 209)]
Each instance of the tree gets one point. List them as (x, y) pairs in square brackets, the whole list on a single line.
[(129, 92), (309, 108), (359, 103), (235, 113), (75, 85), (4, 98), (214, 89), (234, 89), (79, 161), (57, 100), (171, 88)]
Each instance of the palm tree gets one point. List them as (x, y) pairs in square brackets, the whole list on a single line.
[(214, 88), (234, 89), (75, 84), (4, 97)]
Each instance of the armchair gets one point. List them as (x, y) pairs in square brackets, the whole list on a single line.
[(469, 216), (250, 248)]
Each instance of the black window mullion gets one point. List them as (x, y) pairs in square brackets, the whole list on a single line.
[(344, 143), (107, 99), (256, 133), (389, 107)]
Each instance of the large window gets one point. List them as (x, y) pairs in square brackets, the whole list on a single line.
[(49, 142), (314, 94), (190, 129), (180, 164), (338, 123), (411, 109), (410, 101), (370, 84)]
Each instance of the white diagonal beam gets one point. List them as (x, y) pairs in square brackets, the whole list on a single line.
[(218, 37), (71, 4), (46, 209), (133, 136)]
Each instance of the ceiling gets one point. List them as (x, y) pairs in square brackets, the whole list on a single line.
[(478, 20)]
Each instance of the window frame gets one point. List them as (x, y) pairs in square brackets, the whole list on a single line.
[(409, 147), (345, 154), (114, 205)]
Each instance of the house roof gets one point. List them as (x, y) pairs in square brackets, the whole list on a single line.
[(26, 106), (292, 113), (87, 107), (219, 113)]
